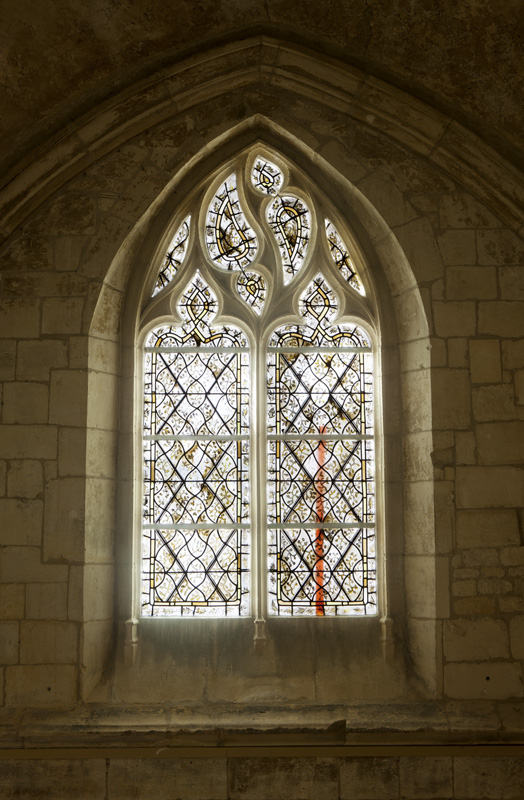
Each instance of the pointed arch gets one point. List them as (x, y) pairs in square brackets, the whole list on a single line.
[(399, 315)]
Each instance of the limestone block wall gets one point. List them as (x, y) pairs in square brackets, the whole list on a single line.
[(243, 778), (444, 246)]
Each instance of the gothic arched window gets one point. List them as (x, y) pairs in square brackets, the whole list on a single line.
[(258, 409)]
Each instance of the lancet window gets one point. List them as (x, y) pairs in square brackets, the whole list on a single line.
[(258, 401)]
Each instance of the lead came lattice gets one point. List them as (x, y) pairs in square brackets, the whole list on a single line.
[(341, 257), (320, 464), (231, 242), (289, 219), (252, 289), (176, 253), (196, 465), (319, 443)]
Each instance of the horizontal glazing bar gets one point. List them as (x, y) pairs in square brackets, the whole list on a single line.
[(315, 437), (296, 526), (313, 348), (184, 526), (242, 437), (193, 349)]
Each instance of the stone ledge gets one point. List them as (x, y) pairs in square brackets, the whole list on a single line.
[(216, 726)]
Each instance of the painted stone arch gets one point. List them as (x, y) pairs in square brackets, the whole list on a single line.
[(401, 321)]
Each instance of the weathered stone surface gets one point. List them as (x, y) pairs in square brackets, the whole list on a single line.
[(513, 354), (369, 779), (487, 528), (46, 601), (142, 778), (71, 452), (516, 630), (474, 607), (53, 779), (458, 247), (512, 556), (12, 596), (501, 443), (35, 359), (295, 778), (416, 388), (64, 520), (519, 387), (481, 557), (21, 522), (501, 318), (425, 778), (465, 444), (9, 642), (490, 487), (512, 283), (417, 241), (492, 680), (489, 777), (62, 315), (48, 642), (458, 352), (68, 402), (451, 399), (485, 361), (475, 640), (19, 318), (7, 360), (25, 479), (500, 247), (455, 318), (102, 415), (42, 685), (494, 402), (24, 564), (461, 210)]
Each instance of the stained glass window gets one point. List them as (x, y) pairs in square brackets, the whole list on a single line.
[(231, 242), (266, 176), (176, 252), (251, 372), (341, 257), (289, 219), (252, 289), (196, 465), (320, 464)]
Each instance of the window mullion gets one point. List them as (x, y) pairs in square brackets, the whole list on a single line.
[(259, 483)]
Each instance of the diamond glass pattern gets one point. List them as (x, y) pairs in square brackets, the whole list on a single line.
[(320, 464), (196, 465)]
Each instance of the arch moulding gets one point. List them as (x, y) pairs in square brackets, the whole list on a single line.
[(412, 604), (262, 62)]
